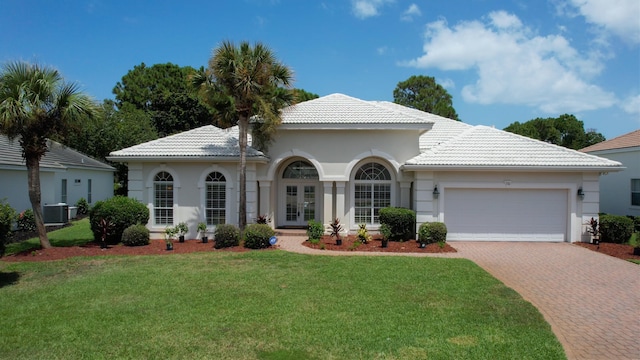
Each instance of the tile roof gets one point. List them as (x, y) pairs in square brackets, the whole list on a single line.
[(58, 156), (631, 139), (482, 146), (342, 109), (203, 142)]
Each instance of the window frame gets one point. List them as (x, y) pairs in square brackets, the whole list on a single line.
[(164, 213), (217, 184), (635, 192), (375, 180)]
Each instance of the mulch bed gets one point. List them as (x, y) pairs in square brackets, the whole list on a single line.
[(620, 251), (375, 245)]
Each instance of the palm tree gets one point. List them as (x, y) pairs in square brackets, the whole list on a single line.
[(35, 104), (250, 78)]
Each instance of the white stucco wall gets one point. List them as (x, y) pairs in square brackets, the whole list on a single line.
[(615, 188), (77, 186)]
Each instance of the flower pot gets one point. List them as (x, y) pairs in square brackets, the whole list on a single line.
[(596, 240), (103, 245), (169, 247), (423, 245), (338, 242), (385, 243), (205, 239), (181, 238)]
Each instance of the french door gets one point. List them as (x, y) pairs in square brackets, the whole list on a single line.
[(300, 204)]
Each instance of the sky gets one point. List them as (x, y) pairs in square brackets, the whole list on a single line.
[(501, 60)]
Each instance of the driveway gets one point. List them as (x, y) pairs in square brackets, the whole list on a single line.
[(591, 300)]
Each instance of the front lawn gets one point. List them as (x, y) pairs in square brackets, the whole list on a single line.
[(265, 305), (78, 233)]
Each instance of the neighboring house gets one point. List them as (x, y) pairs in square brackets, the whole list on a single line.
[(620, 191), (346, 158), (65, 176)]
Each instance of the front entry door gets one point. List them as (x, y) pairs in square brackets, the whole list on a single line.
[(300, 204)]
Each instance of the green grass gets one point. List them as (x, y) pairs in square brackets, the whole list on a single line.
[(77, 234), (265, 305)]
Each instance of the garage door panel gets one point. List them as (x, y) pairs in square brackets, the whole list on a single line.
[(505, 214)]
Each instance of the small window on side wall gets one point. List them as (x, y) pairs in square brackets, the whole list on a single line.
[(635, 192)]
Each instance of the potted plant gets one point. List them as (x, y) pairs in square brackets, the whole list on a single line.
[(385, 231), (336, 227), (169, 233), (182, 229), (594, 231), (363, 234), (202, 228)]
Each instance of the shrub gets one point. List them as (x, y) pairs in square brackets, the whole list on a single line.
[(27, 221), (315, 230), (121, 212), (432, 232), (226, 235), (256, 236), (7, 217), (615, 228), (363, 234), (83, 206), (401, 222), (636, 222), (336, 228), (135, 235)]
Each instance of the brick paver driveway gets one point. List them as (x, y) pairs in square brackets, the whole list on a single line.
[(591, 300)]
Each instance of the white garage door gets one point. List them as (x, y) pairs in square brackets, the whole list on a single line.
[(506, 214)]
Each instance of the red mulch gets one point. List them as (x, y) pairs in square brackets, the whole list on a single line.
[(621, 251), (375, 245), (156, 247)]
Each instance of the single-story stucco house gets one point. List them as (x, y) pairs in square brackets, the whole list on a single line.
[(620, 191), (342, 157), (66, 175)]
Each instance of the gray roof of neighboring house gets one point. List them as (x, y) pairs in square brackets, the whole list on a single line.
[(205, 142), (58, 156)]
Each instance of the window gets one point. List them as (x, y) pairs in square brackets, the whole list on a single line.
[(635, 192), (163, 198), (216, 199), (63, 191), (372, 192), (89, 191), (300, 170)]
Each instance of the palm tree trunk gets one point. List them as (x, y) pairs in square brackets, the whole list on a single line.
[(243, 123), (33, 175)]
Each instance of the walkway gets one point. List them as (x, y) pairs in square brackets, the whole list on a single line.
[(591, 300)]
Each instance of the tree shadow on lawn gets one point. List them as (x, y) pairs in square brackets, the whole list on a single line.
[(8, 278)]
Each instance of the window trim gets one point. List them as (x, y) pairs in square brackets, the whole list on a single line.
[(170, 218), (372, 182), (223, 190), (635, 191)]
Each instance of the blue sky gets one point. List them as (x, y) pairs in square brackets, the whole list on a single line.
[(501, 60)]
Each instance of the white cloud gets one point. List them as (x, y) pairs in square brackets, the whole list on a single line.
[(363, 9), (382, 50), (411, 12), (620, 17), (514, 65), (631, 105), (446, 83)]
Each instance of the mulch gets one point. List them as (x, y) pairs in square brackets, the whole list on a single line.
[(375, 245), (620, 251)]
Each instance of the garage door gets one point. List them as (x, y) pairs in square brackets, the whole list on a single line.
[(505, 214)]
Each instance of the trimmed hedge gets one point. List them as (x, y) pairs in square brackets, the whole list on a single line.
[(432, 232), (256, 236), (7, 217), (315, 230), (226, 235), (615, 228), (401, 221), (122, 212), (135, 235)]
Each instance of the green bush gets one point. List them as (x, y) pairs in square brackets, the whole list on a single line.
[(315, 230), (83, 206), (7, 217), (121, 212), (256, 236), (432, 232), (226, 235), (615, 228), (26, 221), (636, 222), (401, 222), (135, 235)]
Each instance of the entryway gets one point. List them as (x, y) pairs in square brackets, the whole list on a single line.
[(298, 200)]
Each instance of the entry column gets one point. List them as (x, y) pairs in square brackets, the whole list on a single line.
[(340, 204), (327, 212)]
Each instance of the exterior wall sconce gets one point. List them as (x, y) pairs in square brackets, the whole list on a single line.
[(580, 193), (436, 193)]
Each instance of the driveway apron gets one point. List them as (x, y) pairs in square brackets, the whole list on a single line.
[(591, 300)]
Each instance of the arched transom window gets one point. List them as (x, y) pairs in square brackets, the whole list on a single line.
[(300, 170), (372, 192), (216, 201), (163, 198)]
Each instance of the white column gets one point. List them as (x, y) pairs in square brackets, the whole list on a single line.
[(327, 213), (340, 205), (135, 182), (265, 200), (423, 198), (405, 194)]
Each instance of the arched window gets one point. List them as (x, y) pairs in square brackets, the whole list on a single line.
[(372, 192), (163, 198), (216, 199), (300, 170)]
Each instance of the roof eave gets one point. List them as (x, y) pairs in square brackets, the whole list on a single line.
[(225, 159), (413, 167), (357, 126)]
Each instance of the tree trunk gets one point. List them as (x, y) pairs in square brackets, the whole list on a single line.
[(33, 175), (243, 123)]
